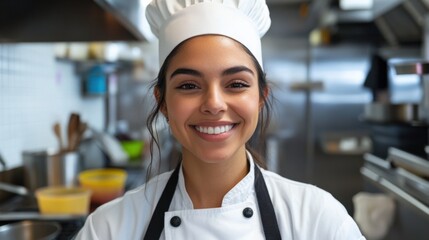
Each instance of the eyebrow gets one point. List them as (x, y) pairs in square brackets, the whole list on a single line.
[(186, 71), (229, 71), (237, 69)]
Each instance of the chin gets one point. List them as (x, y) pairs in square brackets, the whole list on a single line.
[(216, 156)]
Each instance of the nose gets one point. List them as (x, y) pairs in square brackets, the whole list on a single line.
[(214, 101)]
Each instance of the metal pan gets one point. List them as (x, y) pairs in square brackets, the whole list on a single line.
[(30, 230), (388, 113)]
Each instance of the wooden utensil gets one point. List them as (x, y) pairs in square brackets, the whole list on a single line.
[(57, 131), (72, 130), (78, 136)]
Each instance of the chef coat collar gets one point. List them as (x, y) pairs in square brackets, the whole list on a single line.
[(239, 193)]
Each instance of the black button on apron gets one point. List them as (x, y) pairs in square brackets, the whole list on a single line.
[(175, 221), (247, 212)]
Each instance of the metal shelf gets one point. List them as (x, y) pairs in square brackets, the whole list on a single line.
[(415, 164), (397, 191)]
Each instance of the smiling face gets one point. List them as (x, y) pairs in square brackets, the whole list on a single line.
[(212, 98)]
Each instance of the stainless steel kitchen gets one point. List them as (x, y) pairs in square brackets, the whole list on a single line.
[(350, 110)]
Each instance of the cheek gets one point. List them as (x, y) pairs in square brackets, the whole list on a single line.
[(178, 108), (249, 108)]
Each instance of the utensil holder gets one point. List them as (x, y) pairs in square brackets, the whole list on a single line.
[(63, 169)]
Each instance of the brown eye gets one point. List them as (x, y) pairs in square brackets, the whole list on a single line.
[(239, 85), (187, 86)]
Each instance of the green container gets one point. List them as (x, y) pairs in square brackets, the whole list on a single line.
[(133, 149)]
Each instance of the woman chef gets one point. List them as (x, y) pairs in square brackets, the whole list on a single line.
[(213, 93)]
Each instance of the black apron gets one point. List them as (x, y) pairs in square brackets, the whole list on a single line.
[(268, 216)]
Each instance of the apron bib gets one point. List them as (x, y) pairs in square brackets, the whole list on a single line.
[(267, 213)]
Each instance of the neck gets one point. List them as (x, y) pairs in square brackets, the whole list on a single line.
[(207, 183)]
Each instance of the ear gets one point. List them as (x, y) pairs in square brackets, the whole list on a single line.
[(262, 100), (157, 95)]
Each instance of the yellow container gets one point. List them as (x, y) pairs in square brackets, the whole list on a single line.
[(63, 200), (105, 184)]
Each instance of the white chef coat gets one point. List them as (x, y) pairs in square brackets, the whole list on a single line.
[(303, 212)]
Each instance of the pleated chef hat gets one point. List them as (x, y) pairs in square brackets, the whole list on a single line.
[(174, 21)]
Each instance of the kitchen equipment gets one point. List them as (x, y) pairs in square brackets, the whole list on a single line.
[(12, 188), (105, 184), (133, 148), (389, 112), (81, 130), (110, 146), (20, 190), (91, 154), (58, 135), (73, 130), (63, 168), (407, 137), (30, 230), (32, 215), (63, 200), (47, 168), (95, 81), (416, 183), (421, 69), (35, 166), (409, 162)]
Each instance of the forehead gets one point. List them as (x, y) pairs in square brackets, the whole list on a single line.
[(211, 51)]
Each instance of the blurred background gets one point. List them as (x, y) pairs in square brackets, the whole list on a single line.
[(349, 80)]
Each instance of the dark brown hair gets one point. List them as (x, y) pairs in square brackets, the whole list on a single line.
[(254, 143)]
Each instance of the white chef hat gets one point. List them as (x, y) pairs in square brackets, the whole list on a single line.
[(174, 21)]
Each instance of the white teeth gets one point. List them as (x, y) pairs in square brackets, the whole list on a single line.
[(214, 130), (210, 130), (217, 130)]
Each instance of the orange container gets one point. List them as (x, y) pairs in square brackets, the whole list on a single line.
[(105, 184), (63, 200)]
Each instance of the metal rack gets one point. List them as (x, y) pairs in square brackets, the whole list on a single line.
[(396, 191), (402, 184)]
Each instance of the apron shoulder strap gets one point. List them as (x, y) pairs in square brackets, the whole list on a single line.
[(156, 225), (268, 215)]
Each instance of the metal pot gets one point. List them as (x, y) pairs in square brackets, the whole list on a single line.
[(30, 230), (388, 112), (35, 169)]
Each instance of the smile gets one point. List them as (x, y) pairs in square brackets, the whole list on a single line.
[(214, 130)]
